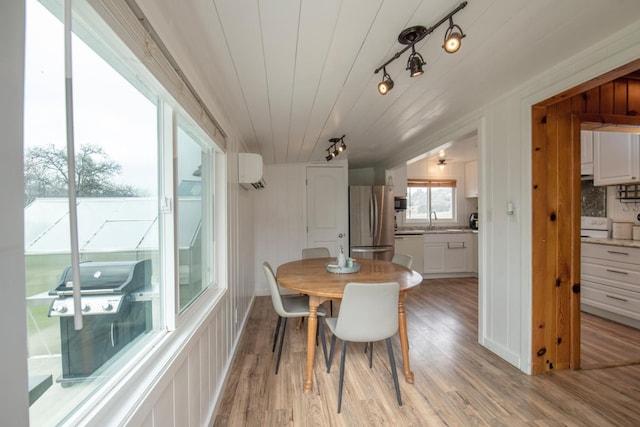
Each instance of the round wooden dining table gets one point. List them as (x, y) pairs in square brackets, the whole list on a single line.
[(310, 277)]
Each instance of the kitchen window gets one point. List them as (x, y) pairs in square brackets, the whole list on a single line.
[(145, 203), (430, 200)]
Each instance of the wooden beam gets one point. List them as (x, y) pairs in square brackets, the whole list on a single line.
[(630, 69), (610, 118)]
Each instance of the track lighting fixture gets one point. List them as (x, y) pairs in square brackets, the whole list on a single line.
[(453, 37), (386, 84), (412, 35), (335, 149)]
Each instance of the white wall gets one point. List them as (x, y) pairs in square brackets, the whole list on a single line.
[(280, 219), (14, 404), (363, 176), (619, 211)]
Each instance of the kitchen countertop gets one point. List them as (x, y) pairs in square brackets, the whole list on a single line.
[(421, 231), (612, 242)]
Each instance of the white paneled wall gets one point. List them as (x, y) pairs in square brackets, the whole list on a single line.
[(188, 393), (279, 219)]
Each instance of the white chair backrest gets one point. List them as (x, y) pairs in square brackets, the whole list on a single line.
[(308, 253), (368, 312), (402, 259), (276, 298)]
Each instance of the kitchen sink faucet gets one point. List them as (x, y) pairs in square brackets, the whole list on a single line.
[(433, 215)]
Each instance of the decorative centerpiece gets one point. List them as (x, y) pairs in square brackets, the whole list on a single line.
[(343, 265)]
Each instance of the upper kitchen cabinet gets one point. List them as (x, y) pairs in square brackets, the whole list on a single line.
[(616, 158), (399, 177), (586, 152), (471, 179)]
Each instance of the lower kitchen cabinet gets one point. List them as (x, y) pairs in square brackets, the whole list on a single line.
[(448, 255), (411, 245), (474, 252), (610, 282)]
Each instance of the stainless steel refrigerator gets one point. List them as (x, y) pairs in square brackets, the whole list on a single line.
[(371, 222)]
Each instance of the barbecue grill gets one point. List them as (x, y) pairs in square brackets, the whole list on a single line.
[(111, 317)]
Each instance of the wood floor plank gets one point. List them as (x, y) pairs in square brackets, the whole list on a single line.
[(457, 381)]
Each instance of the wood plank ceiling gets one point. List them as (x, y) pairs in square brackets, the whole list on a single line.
[(288, 75)]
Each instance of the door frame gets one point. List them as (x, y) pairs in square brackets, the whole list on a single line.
[(555, 213)]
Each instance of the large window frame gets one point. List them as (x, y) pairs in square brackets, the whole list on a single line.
[(171, 316), (431, 217)]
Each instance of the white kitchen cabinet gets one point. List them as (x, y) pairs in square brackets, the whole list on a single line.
[(448, 254), (586, 152), (399, 175), (412, 245), (616, 158), (471, 179), (610, 282)]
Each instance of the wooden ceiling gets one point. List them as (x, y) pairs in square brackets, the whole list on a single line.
[(285, 76)]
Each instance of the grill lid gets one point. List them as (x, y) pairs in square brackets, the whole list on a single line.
[(110, 276)]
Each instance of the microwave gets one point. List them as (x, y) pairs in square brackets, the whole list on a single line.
[(400, 203)]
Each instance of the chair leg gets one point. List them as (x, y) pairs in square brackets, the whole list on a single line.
[(333, 346), (322, 338), (370, 354), (392, 361), (275, 336), (284, 329), (341, 381)]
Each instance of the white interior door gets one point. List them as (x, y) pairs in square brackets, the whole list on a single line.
[(327, 212)]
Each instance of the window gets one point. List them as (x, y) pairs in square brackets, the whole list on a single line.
[(195, 239), (430, 200), (157, 254)]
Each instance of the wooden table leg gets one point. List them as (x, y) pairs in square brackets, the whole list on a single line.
[(404, 340), (312, 325)]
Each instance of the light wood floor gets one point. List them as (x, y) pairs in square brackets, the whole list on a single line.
[(457, 381)]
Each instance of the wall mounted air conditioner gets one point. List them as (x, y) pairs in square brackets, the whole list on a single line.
[(250, 171)]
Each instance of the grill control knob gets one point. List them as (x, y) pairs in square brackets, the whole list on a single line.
[(61, 309), (86, 308), (107, 306)]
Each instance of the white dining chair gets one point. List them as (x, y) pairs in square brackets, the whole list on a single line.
[(290, 306), (368, 313), (402, 259), (320, 252)]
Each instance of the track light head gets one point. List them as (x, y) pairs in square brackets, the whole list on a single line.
[(415, 63), (386, 84), (342, 147), (453, 38)]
